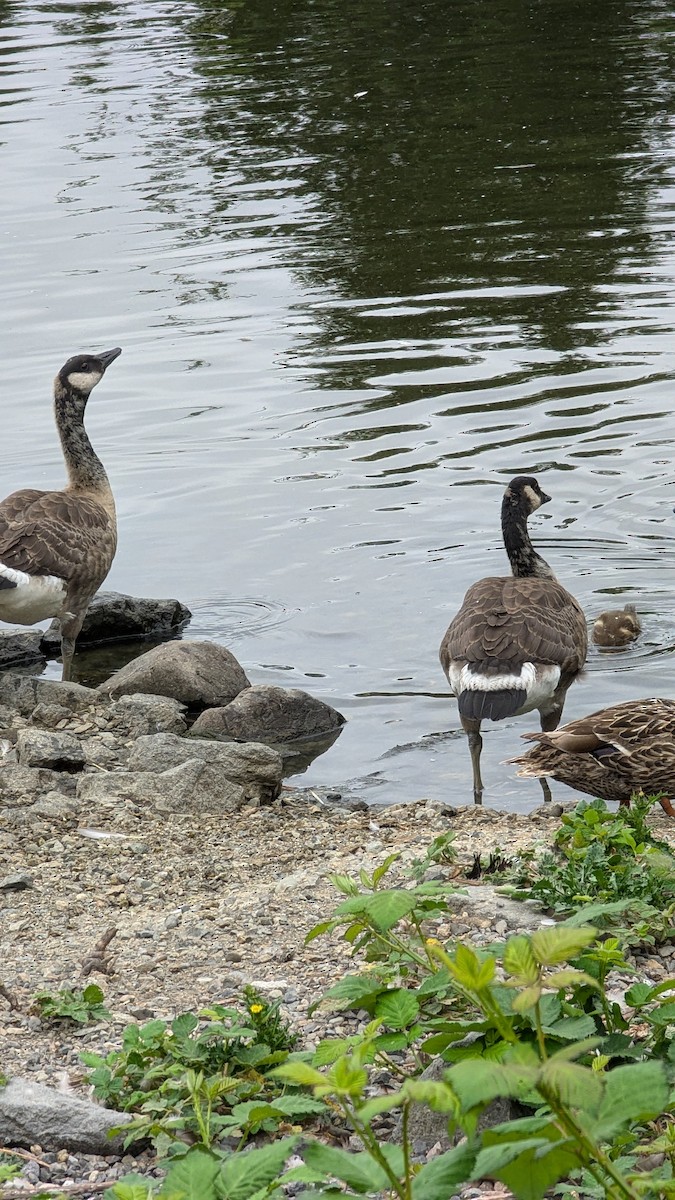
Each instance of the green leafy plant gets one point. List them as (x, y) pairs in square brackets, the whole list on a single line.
[(204, 1175), (537, 1045), (601, 857), (69, 1005), (203, 1077)]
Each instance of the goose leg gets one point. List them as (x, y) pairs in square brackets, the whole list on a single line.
[(472, 729), (70, 627), (667, 806), (549, 721)]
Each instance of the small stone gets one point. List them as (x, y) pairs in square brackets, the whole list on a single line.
[(16, 883)]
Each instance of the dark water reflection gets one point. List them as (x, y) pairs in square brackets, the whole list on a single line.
[(366, 262)]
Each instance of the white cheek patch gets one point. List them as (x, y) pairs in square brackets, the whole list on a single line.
[(534, 499), (84, 381)]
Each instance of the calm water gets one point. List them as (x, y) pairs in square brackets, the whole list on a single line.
[(366, 263)]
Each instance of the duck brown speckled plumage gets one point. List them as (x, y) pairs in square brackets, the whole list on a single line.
[(518, 641), (56, 547), (612, 753)]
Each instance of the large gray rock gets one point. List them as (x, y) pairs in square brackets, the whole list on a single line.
[(193, 786), (22, 693), (427, 1128), (34, 1115), (134, 716), (57, 751), (255, 768), (20, 648), (275, 715), (114, 617), (198, 674), (20, 786)]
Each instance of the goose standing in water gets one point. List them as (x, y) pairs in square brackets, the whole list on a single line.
[(56, 548), (517, 642), (612, 754)]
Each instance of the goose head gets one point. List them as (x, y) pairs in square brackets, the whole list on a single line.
[(80, 374), (525, 495)]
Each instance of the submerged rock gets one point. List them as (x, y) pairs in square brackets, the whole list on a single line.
[(199, 674), (115, 617), (271, 715)]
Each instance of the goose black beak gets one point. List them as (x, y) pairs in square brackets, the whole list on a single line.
[(544, 498), (108, 356)]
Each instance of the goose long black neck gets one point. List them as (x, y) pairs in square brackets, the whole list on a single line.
[(523, 557), (85, 469)]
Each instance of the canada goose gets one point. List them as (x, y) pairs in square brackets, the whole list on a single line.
[(56, 548), (517, 642), (612, 754), (617, 626)]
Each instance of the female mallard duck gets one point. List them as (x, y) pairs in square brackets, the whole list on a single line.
[(517, 642), (612, 754), (56, 548), (617, 626)]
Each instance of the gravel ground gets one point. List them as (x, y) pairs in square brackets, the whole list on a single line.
[(198, 912)]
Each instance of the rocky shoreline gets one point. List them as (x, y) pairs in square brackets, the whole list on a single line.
[(203, 872)]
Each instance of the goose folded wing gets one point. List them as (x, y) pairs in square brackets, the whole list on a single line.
[(518, 620), (56, 535)]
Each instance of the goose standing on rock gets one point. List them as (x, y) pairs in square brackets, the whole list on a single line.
[(518, 641), (56, 548)]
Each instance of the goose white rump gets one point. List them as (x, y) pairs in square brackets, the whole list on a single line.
[(26, 599)]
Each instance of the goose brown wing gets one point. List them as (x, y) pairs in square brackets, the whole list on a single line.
[(16, 506), (506, 621), (56, 534)]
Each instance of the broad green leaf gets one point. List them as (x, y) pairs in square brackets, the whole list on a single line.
[(439, 1178), (123, 1190), (344, 884), (330, 1049), (346, 1077), (386, 908), (437, 1095), (553, 944), (590, 913), (636, 1092), (574, 1085), (380, 871), (467, 968), (570, 977), (317, 930), (663, 1015), (355, 988), (526, 999), (477, 1081), (387, 1043), (242, 1175), (359, 1171), (296, 1104), (195, 1175), (184, 1025), (397, 1008), (299, 1072), (519, 960), (440, 981), (530, 1175), (572, 1029), (93, 994)]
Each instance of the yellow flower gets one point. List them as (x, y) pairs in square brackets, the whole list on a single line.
[(255, 1009), (432, 942)]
